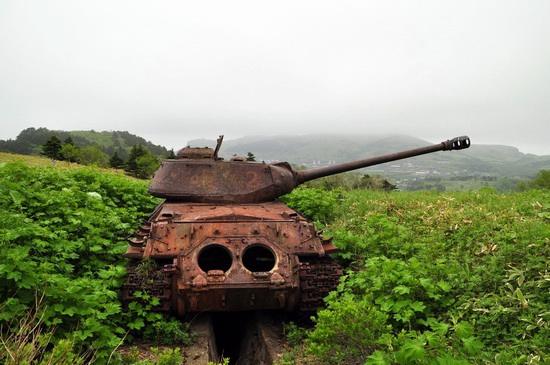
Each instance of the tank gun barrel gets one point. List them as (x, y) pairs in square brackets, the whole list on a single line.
[(457, 143)]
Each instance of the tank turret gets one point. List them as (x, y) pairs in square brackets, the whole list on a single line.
[(198, 175), (221, 242)]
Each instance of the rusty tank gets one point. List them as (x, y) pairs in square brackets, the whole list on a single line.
[(222, 242)]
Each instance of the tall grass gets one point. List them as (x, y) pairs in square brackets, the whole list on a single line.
[(27, 340)]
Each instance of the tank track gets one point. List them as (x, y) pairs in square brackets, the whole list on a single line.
[(318, 276), (151, 278)]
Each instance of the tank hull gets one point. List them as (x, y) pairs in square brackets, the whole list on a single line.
[(203, 257)]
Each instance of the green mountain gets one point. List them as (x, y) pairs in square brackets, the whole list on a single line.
[(30, 141)]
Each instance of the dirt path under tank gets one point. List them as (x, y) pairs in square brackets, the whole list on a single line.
[(247, 338)]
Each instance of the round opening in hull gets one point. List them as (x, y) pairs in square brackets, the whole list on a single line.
[(258, 258), (215, 257)]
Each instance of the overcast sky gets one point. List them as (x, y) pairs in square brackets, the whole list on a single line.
[(171, 71)]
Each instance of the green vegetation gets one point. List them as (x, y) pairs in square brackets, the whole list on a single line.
[(103, 149), (430, 277), (141, 163), (541, 181), (31, 140), (437, 278), (352, 180), (61, 268), (223, 361), (44, 162), (316, 204), (164, 356)]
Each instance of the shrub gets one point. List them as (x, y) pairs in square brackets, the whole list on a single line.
[(348, 330), (315, 204)]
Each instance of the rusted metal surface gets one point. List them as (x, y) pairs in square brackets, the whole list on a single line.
[(229, 258), (221, 182), (221, 243)]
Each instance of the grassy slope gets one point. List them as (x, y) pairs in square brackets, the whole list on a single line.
[(37, 161)]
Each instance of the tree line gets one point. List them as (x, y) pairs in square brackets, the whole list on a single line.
[(141, 163)]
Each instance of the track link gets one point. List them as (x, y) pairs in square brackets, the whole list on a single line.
[(318, 276)]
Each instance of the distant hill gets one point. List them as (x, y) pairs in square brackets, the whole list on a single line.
[(465, 169), (30, 141)]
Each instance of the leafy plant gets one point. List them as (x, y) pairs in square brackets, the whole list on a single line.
[(168, 356), (294, 333), (460, 277), (61, 238), (347, 331), (223, 361), (315, 204), (169, 332)]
